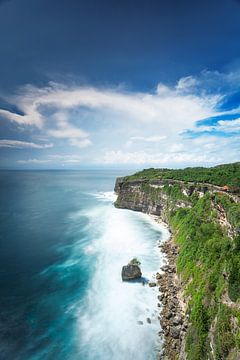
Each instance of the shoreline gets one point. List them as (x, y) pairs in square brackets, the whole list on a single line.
[(171, 302)]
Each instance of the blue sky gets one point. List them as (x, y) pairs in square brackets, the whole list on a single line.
[(103, 84)]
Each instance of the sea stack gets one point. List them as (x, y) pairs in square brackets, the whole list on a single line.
[(132, 270)]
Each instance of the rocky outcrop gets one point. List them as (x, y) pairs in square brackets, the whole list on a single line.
[(131, 272), (131, 196)]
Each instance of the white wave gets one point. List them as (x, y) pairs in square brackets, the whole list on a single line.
[(109, 323), (105, 196), (89, 249)]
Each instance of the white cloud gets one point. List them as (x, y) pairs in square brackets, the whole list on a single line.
[(80, 143), (169, 107), (157, 159), (53, 159), (148, 138), (186, 83), (166, 111), (76, 136), (34, 161), (226, 126), (205, 150), (17, 144), (20, 119), (229, 126)]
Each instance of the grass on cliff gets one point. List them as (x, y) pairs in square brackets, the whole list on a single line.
[(228, 174), (209, 264)]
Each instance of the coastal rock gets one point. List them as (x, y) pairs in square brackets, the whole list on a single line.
[(152, 284), (161, 297), (175, 332), (177, 320), (131, 272), (149, 320), (168, 315), (158, 276)]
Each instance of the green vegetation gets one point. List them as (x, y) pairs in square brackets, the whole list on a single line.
[(228, 174), (206, 255), (231, 209), (135, 261)]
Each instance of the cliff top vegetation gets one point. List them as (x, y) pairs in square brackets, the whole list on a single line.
[(221, 175)]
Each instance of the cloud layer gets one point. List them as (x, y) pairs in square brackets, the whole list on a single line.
[(114, 126), (16, 144)]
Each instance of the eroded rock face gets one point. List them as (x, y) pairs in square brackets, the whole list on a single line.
[(131, 272)]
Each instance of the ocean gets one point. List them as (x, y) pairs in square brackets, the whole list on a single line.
[(62, 247)]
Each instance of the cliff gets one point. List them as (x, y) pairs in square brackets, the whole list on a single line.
[(205, 221)]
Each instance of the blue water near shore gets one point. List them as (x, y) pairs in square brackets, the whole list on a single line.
[(62, 246)]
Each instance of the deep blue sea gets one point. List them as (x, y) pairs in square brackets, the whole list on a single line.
[(62, 247)]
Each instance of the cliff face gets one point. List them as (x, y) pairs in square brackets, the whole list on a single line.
[(152, 197), (131, 195), (205, 222)]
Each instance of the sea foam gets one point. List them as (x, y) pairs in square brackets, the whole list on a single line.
[(112, 323)]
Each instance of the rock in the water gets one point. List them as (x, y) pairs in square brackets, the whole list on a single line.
[(130, 272), (152, 284)]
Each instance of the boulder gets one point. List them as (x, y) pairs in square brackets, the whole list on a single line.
[(177, 320), (175, 332), (158, 276), (161, 297), (168, 315), (131, 272)]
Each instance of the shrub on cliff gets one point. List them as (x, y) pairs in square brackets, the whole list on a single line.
[(206, 253), (227, 174), (135, 261)]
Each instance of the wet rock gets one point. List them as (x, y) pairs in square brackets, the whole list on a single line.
[(130, 272), (161, 297), (164, 268), (149, 320), (168, 315), (164, 301), (152, 284)]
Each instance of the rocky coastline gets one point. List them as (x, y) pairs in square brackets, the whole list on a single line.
[(173, 317)]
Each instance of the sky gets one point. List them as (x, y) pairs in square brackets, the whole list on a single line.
[(119, 84)]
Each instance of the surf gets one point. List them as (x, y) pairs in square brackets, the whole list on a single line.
[(119, 320)]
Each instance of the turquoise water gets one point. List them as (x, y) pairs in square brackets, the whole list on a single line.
[(62, 246)]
